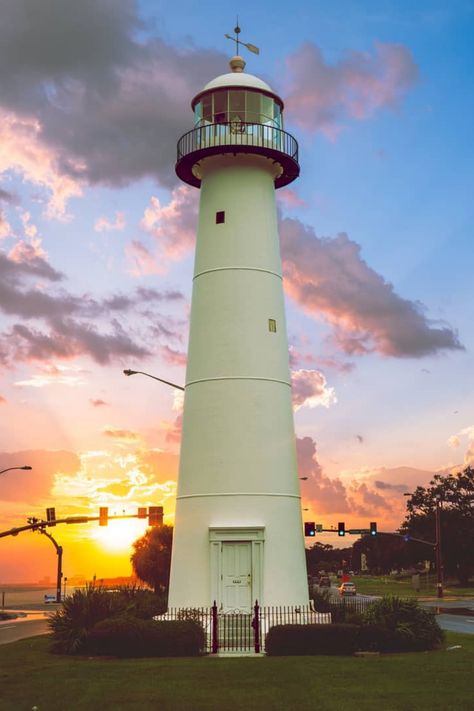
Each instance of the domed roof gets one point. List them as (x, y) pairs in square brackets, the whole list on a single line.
[(239, 79)]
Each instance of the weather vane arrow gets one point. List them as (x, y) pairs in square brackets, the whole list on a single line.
[(250, 47)]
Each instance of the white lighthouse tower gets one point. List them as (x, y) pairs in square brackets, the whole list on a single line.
[(238, 530)]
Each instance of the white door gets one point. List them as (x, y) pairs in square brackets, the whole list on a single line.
[(237, 576)]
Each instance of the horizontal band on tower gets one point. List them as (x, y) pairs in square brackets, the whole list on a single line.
[(238, 377), (245, 269), (239, 493)]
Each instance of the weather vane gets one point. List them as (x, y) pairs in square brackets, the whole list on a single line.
[(250, 47)]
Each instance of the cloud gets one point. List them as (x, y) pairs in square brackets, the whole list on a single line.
[(97, 403), (173, 356), (25, 152), (122, 435), (59, 324), (331, 281), (310, 389), (2, 400), (32, 487), (103, 224), (324, 494), (455, 441), (91, 90), (321, 96), (55, 375), (173, 225)]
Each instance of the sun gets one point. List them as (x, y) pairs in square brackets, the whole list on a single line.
[(118, 536)]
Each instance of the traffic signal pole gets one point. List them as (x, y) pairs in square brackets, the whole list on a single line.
[(59, 552)]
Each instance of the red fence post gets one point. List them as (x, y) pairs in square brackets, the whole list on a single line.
[(215, 629), (256, 627)]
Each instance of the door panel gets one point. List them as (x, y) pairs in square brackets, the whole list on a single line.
[(236, 576)]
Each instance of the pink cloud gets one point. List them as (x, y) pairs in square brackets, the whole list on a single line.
[(331, 281), (173, 225), (174, 357), (324, 495), (103, 224), (2, 400), (127, 436), (289, 198), (310, 389), (25, 152), (97, 403), (320, 95), (140, 260)]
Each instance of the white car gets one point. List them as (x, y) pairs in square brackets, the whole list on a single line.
[(347, 589)]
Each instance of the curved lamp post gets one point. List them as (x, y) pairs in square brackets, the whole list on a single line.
[(140, 372), (9, 469)]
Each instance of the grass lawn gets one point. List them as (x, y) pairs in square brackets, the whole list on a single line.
[(30, 676), (387, 585)]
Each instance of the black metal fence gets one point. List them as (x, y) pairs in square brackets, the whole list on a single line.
[(244, 632), (238, 133)]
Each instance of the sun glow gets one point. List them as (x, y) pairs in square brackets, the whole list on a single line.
[(119, 535)]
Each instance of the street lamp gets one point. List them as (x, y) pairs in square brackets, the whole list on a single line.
[(140, 372), (9, 469), (437, 546)]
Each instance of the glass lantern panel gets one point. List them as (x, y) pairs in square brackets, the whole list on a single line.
[(253, 107), (198, 113), (237, 105), (220, 107), (207, 108), (266, 109)]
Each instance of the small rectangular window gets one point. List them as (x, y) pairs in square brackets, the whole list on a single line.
[(272, 325), (220, 217)]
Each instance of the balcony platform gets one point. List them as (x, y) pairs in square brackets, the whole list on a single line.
[(237, 137)]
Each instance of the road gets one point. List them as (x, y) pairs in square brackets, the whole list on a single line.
[(12, 630)]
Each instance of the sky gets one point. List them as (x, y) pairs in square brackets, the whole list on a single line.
[(96, 254)]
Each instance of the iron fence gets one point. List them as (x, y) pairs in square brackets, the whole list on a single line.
[(237, 133), (237, 631)]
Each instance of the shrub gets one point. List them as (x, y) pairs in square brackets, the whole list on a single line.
[(311, 639), (80, 612), (407, 626), (322, 601), (133, 637)]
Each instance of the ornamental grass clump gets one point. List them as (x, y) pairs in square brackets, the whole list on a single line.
[(72, 623), (392, 624)]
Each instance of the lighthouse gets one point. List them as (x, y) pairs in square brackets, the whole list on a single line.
[(238, 529)]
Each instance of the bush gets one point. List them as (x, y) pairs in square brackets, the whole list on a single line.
[(133, 637), (311, 639), (406, 626), (322, 600), (80, 612)]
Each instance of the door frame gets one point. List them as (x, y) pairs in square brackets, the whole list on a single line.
[(236, 534)]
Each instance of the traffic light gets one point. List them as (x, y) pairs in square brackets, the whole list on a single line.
[(373, 528), (141, 512), (341, 528), (309, 528), (103, 516), (155, 515), (51, 516)]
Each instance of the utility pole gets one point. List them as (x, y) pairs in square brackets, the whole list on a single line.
[(439, 565)]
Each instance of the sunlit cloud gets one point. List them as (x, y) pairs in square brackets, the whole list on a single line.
[(465, 435), (98, 402), (173, 225), (25, 152), (322, 96), (329, 279), (72, 376), (103, 224), (310, 389), (121, 435)]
